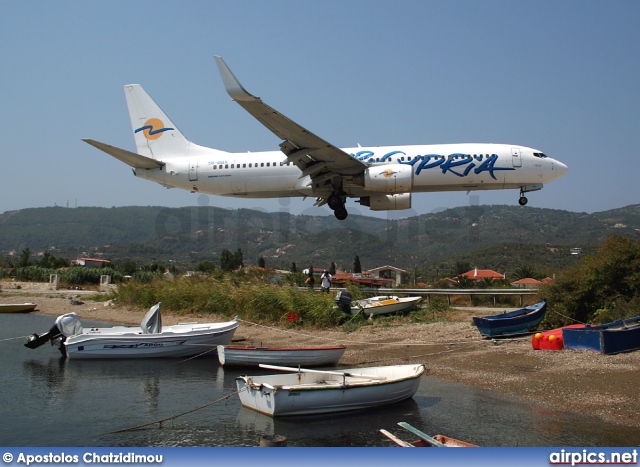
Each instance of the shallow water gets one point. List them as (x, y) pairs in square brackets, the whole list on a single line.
[(51, 401)]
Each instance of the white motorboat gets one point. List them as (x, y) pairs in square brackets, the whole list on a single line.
[(297, 356), (305, 391), (384, 304), (150, 339)]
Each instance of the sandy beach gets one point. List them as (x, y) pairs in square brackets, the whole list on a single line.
[(605, 386)]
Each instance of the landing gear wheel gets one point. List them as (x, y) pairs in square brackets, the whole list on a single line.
[(334, 202), (341, 213), (523, 200)]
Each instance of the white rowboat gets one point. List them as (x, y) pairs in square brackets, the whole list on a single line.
[(306, 391), (297, 356)]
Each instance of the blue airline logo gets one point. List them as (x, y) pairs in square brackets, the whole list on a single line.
[(458, 164)]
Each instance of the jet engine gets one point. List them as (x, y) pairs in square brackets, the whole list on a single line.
[(389, 178), (387, 202)]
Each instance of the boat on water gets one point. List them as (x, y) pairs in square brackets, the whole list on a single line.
[(519, 321), (384, 304), (304, 391), (610, 338), (17, 307), (287, 356), (148, 340), (426, 441)]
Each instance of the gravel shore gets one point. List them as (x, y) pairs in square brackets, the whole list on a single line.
[(452, 349)]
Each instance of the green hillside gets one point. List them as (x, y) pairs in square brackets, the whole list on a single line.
[(489, 237)]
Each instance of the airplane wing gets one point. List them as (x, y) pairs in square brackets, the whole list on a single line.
[(130, 158), (314, 156)]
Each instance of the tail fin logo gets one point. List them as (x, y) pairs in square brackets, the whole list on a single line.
[(153, 128)]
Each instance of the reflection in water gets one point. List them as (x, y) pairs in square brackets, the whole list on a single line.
[(48, 376)]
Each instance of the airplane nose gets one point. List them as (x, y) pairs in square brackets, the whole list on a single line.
[(561, 169)]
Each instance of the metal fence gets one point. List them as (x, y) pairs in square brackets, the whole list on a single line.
[(428, 293)]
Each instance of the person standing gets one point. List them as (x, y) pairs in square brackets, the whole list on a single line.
[(326, 281)]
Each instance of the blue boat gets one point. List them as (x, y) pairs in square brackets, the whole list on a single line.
[(519, 321), (610, 338)]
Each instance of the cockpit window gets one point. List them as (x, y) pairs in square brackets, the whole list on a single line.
[(540, 155)]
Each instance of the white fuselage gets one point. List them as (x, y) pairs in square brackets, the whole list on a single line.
[(442, 167)]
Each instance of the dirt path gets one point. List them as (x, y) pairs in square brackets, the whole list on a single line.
[(587, 382)]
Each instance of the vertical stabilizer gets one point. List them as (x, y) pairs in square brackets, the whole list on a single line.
[(156, 136)]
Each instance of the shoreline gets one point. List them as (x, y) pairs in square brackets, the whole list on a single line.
[(588, 383)]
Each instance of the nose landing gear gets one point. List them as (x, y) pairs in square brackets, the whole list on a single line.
[(523, 199)]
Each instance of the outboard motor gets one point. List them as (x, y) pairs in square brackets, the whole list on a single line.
[(343, 300), (36, 340), (65, 326)]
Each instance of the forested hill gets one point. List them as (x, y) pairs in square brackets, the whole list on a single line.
[(193, 234)]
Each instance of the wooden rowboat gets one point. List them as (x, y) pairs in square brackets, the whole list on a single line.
[(426, 441), (17, 307), (288, 356), (610, 338), (515, 322)]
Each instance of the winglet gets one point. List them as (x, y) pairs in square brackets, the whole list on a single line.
[(231, 83)]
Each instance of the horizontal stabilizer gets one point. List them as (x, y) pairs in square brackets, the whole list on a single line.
[(130, 158)]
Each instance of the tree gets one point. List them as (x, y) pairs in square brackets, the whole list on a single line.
[(205, 266), (603, 288), (128, 267), (332, 269), (24, 258), (294, 268), (261, 263), (231, 261), (524, 272), (357, 268)]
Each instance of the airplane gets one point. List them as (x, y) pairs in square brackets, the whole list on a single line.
[(381, 178)]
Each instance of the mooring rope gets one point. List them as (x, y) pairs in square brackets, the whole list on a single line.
[(568, 317), (161, 421), (13, 338), (472, 341)]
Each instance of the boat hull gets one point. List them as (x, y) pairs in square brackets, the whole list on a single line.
[(17, 307), (519, 321), (312, 393), (384, 305), (254, 356), (182, 340), (611, 338)]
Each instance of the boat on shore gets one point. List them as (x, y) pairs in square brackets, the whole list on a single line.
[(518, 321), (17, 307), (610, 338), (230, 355), (426, 441), (149, 340), (384, 304), (304, 391)]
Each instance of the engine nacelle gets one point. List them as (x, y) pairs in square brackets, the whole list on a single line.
[(387, 202), (390, 178)]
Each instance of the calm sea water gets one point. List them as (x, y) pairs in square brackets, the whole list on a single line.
[(50, 401)]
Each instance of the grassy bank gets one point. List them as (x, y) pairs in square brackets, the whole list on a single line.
[(228, 297)]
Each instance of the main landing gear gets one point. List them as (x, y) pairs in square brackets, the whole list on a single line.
[(523, 199), (336, 203)]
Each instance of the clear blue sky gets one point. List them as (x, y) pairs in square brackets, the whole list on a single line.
[(559, 76)]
